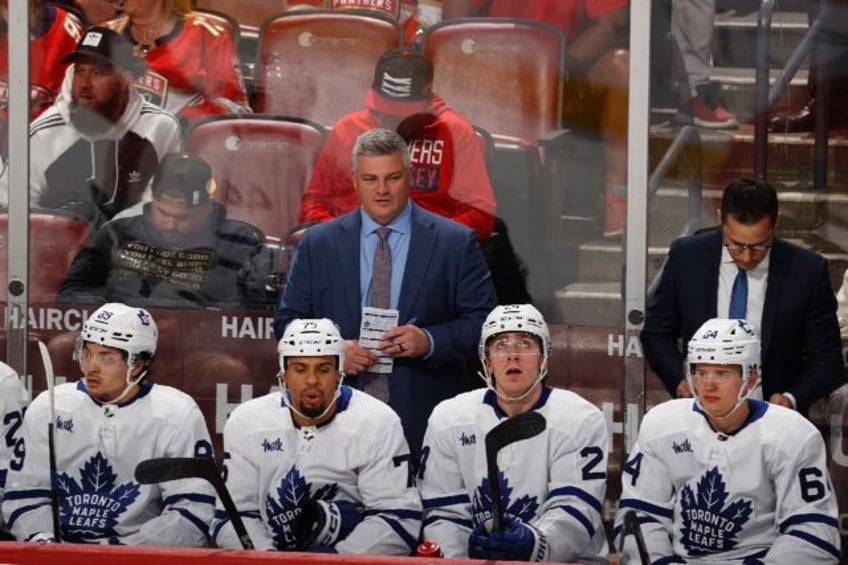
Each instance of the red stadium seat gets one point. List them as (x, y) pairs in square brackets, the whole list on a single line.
[(261, 165), (503, 75), (319, 65), (54, 240)]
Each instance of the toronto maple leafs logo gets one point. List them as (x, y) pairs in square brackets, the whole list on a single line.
[(282, 511), (524, 507), (90, 509), (710, 524)]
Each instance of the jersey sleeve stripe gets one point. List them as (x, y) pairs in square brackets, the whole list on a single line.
[(3, 473), (29, 493), (446, 501), (660, 511), (808, 519), (412, 542), (585, 522), (13, 517), (818, 542), (578, 493), (642, 519), (198, 523)]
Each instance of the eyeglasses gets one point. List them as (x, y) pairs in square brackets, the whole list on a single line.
[(106, 358), (736, 248), (521, 346)]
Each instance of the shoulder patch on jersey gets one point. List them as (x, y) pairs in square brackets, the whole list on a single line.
[(709, 524), (683, 447), (272, 445), (66, 424), (481, 510), (91, 508), (283, 510), (467, 439)]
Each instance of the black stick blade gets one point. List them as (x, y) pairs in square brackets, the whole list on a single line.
[(163, 469), (517, 428)]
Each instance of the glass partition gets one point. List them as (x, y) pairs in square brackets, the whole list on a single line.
[(543, 136)]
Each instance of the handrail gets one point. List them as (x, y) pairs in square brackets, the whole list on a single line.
[(687, 143), (766, 97)]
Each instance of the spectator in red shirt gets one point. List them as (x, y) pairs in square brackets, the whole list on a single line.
[(449, 174)]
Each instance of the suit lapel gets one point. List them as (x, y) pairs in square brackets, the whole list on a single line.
[(774, 286), (422, 243), (711, 301), (347, 255)]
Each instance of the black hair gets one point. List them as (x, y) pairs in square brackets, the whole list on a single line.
[(749, 200)]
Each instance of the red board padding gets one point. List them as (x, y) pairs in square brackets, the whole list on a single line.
[(13, 553)]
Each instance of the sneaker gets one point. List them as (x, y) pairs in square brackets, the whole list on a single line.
[(616, 216), (706, 116)]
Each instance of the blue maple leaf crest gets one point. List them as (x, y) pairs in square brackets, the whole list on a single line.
[(710, 525), (90, 509), (283, 510), (524, 507)]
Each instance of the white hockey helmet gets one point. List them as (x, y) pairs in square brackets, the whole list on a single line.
[(123, 327), (311, 337), (724, 341), (515, 318)]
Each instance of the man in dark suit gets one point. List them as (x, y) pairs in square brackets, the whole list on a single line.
[(789, 300), (440, 286)]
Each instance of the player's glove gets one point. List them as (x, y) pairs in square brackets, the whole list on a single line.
[(41, 537), (518, 542), (323, 523)]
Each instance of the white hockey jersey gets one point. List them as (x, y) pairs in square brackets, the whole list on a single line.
[(360, 455), (97, 449), (706, 497), (555, 481), (13, 399)]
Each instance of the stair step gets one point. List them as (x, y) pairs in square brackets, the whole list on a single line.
[(735, 38)]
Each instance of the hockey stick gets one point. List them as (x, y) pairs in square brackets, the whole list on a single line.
[(516, 428), (163, 469), (51, 441), (631, 526)]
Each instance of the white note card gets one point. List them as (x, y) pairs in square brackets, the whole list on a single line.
[(376, 322)]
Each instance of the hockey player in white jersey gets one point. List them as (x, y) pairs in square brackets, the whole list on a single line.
[(552, 485), (13, 400), (107, 423), (722, 478), (319, 466)]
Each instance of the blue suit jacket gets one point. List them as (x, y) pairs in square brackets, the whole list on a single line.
[(446, 287), (800, 349)]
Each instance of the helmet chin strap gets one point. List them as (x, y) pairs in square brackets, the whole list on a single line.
[(741, 397), (487, 378), (130, 383), (287, 401)]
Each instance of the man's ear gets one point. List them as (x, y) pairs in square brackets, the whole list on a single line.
[(718, 215)]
